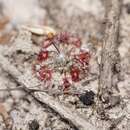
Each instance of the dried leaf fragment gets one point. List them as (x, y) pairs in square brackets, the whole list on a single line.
[(7, 119)]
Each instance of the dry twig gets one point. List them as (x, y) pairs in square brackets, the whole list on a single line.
[(110, 55)]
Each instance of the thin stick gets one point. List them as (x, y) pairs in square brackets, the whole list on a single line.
[(56, 47), (54, 92), (110, 56)]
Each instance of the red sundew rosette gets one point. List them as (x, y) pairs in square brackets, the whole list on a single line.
[(74, 60), (43, 55)]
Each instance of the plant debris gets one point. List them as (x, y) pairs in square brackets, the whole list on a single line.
[(6, 117)]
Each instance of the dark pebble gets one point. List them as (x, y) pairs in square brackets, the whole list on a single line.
[(87, 98), (34, 125)]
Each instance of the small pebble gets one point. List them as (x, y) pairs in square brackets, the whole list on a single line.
[(113, 101), (87, 98)]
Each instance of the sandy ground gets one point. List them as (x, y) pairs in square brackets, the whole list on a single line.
[(85, 18)]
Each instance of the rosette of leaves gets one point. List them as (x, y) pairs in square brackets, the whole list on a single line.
[(62, 61)]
